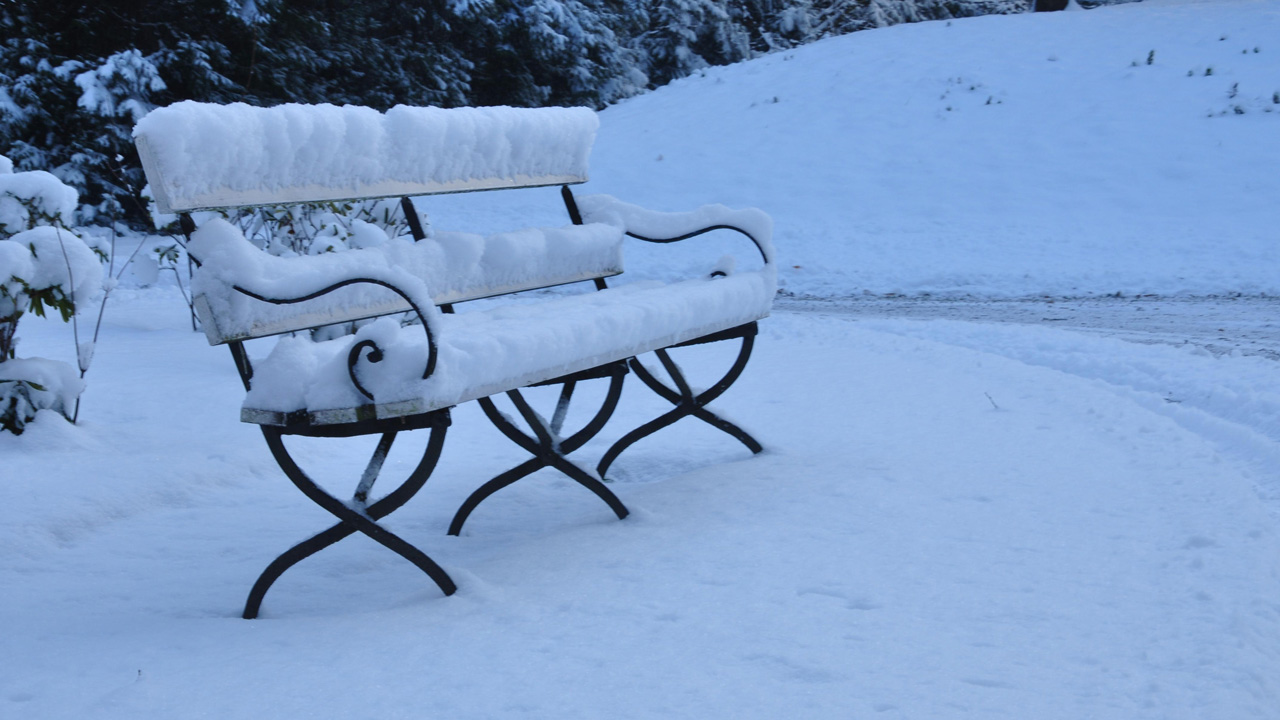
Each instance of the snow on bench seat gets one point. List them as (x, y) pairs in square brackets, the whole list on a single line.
[(201, 156), (485, 352)]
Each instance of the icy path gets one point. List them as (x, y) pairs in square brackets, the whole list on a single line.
[(954, 519), (1244, 325)]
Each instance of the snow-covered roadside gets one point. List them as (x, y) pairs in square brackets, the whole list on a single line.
[(1244, 325)]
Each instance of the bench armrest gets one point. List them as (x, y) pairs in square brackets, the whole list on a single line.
[(227, 259), (395, 285), (667, 227)]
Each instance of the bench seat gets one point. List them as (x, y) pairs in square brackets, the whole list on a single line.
[(484, 352)]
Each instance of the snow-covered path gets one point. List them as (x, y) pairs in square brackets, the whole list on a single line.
[(1245, 325)]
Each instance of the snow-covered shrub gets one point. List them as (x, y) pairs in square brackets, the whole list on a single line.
[(30, 199), (28, 386), (43, 266), (323, 227)]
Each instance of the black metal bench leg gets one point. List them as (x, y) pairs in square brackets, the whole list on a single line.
[(359, 518), (593, 484), (526, 468), (729, 428), (547, 448), (552, 453), (645, 430), (288, 559), (687, 403)]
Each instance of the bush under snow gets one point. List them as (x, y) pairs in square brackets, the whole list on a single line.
[(42, 266)]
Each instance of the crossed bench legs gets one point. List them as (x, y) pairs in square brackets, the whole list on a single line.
[(550, 450), (358, 515), (687, 403), (545, 444)]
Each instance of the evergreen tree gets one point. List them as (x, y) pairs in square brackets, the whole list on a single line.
[(552, 52), (684, 36), (773, 24), (837, 17), (369, 52), (74, 77)]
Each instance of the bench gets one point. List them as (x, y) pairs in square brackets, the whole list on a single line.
[(412, 357)]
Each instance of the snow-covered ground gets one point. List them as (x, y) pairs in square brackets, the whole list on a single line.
[(990, 490)]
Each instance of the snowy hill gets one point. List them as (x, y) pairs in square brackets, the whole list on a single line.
[(953, 519), (1128, 149), (1006, 155)]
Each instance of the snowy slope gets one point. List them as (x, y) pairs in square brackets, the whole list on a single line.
[(1084, 174), (952, 519), (1089, 172)]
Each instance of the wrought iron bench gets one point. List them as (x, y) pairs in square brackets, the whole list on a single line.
[(414, 359)]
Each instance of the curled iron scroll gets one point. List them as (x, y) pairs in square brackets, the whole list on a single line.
[(375, 356), (353, 356)]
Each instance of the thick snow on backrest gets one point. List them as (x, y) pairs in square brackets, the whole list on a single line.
[(200, 156)]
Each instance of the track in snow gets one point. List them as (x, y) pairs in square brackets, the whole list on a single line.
[(1221, 325)]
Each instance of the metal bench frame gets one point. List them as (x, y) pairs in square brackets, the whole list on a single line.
[(544, 441)]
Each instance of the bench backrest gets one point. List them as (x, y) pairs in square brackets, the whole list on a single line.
[(454, 267), (201, 156)]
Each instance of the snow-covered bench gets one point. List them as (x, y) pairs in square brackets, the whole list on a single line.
[(393, 375)]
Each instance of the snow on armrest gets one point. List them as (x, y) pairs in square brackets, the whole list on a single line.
[(232, 271), (666, 226), (204, 156)]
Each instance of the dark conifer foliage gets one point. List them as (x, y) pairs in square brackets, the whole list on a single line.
[(369, 52), (74, 76), (551, 52)]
